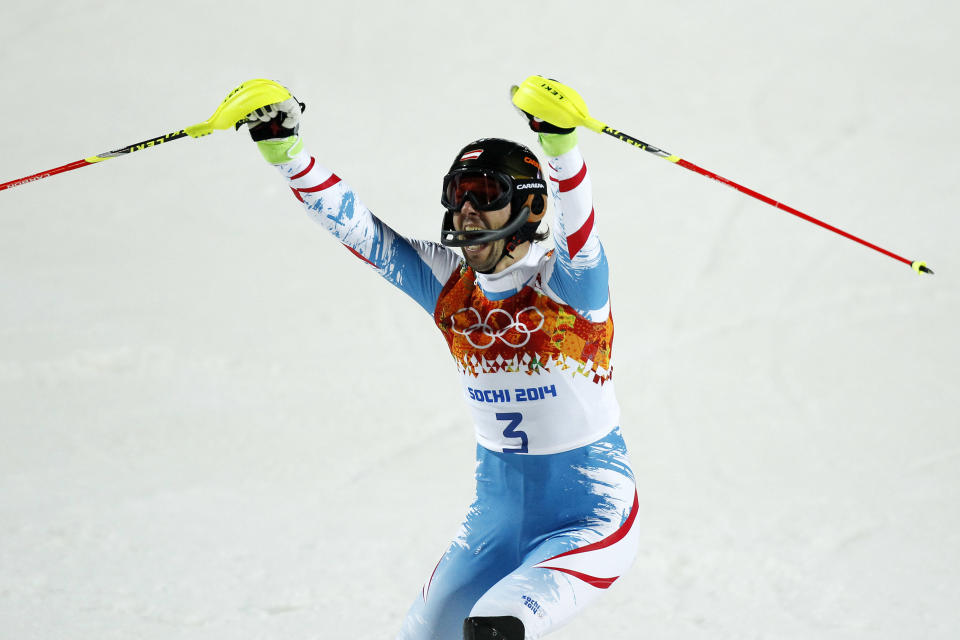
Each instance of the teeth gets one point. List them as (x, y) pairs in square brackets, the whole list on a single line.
[(473, 227)]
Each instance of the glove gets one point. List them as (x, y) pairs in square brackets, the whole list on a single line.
[(276, 130), (278, 120), (555, 140), (542, 126)]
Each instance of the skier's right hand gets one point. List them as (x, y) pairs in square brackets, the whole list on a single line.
[(276, 130), (275, 121)]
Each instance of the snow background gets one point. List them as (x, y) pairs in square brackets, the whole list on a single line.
[(214, 422)]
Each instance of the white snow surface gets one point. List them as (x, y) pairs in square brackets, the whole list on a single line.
[(217, 423)]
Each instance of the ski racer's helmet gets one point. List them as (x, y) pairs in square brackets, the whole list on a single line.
[(491, 173)]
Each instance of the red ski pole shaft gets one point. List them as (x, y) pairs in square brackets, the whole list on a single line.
[(86, 162), (917, 265)]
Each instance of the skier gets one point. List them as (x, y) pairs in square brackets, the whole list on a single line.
[(553, 522)]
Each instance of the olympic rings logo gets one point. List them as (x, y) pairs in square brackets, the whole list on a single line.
[(488, 331)]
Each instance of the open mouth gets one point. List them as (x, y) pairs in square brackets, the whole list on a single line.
[(474, 248)]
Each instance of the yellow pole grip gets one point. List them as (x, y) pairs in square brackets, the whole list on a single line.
[(249, 96), (554, 102)]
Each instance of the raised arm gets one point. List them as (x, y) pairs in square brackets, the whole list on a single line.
[(418, 268), (580, 276)]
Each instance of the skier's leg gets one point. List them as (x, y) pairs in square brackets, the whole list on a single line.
[(580, 555), (461, 577), (484, 552), (551, 587)]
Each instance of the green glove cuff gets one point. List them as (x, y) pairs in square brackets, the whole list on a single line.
[(557, 144), (278, 151)]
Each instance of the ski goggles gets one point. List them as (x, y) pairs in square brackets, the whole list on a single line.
[(486, 190)]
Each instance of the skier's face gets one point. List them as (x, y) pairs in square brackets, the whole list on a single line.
[(482, 257)]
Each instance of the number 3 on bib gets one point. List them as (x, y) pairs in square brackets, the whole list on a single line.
[(512, 432)]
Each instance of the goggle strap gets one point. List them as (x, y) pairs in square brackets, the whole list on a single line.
[(529, 185)]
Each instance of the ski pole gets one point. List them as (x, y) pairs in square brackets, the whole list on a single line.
[(247, 97), (561, 106)]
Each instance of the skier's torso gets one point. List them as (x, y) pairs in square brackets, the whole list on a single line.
[(536, 374), (532, 343)]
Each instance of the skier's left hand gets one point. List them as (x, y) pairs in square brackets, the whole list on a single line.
[(536, 124)]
